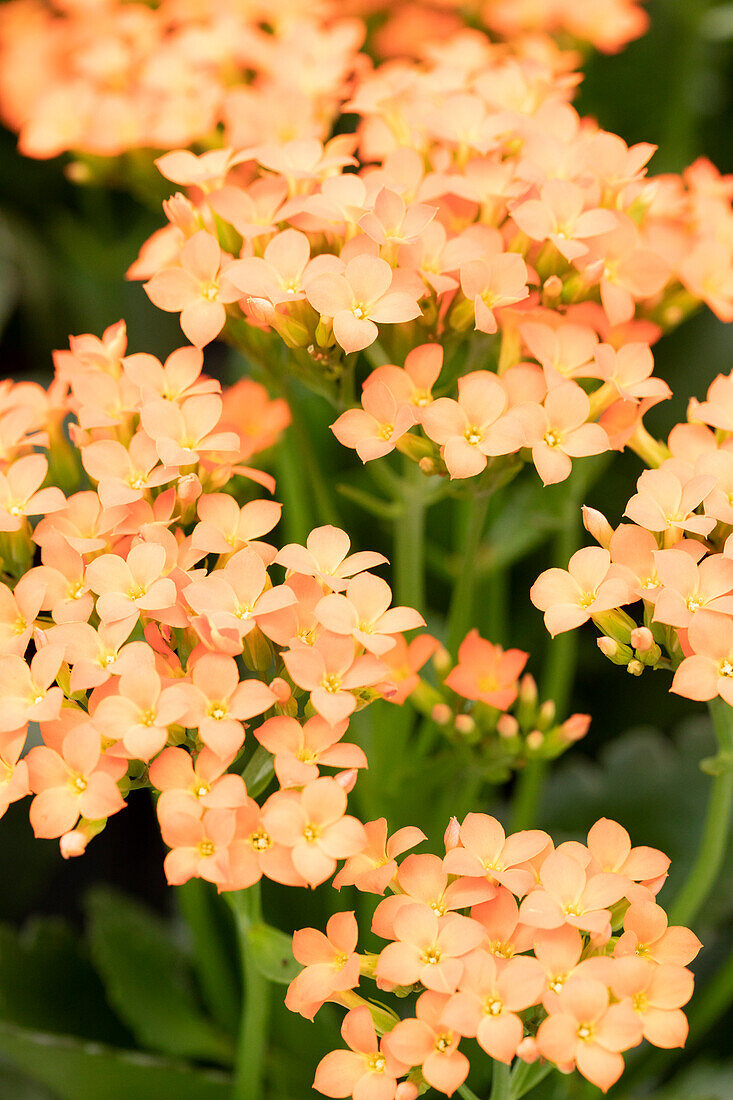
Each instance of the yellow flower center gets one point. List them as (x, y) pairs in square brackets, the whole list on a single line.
[(20, 625), (306, 756), (137, 481), (206, 848), (79, 784), (243, 612), (386, 431), (493, 1006), (726, 668), (16, 509), (503, 950), (586, 599), (201, 790), (260, 840), (217, 711), (311, 833), (75, 590), (340, 961), (443, 1043), (431, 956), (136, 592), (331, 684), (147, 717), (640, 1002), (209, 291), (551, 438), (555, 986), (360, 311), (376, 1063), (472, 435), (585, 1032)]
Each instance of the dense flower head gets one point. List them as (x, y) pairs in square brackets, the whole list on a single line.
[(670, 566), (147, 625), (526, 947)]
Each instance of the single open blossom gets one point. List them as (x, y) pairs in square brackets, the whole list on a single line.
[(499, 916), (124, 474), (184, 432), (21, 494), (610, 847), (558, 430), (570, 597), (374, 430), (365, 295), (363, 612), (28, 691), (566, 350), (331, 672), (326, 557), (179, 377), (664, 501), (491, 995), (568, 894), (708, 671), (429, 1042), (486, 850), (647, 935), (587, 1032), (486, 672), (558, 215), (423, 879), (412, 384), (195, 785), (330, 963), (404, 662), (373, 868), (224, 527), (18, 611), (75, 781), (365, 1071), (199, 845), (657, 994), (198, 289), (498, 281), (218, 703), (688, 587), (137, 717), (428, 949), (127, 587), (472, 428), (313, 824), (300, 750)]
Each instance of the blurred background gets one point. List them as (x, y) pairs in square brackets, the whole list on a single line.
[(63, 252)]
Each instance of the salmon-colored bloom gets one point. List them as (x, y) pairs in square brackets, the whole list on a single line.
[(127, 587), (404, 661), (647, 935), (224, 527), (487, 851), (363, 612), (76, 780), (300, 750), (199, 845), (427, 949), (487, 672), (566, 350), (491, 994), (559, 215), (688, 587), (374, 430), (124, 474), (588, 586), (427, 1041), (610, 846), (94, 655), (558, 431), (365, 1071), (506, 935), (18, 610), (472, 428), (185, 432), (21, 495), (331, 672), (588, 1033), (219, 703), (666, 500), (423, 879), (198, 289), (330, 963), (26, 689), (195, 785), (490, 284), (708, 671), (657, 994), (366, 294), (314, 825), (569, 894), (392, 221), (558, 951), (179, 377), (14, 783), (137, 717), (326, 557), (372, 869), (254, 853)]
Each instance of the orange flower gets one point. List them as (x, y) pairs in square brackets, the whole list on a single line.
[(486, 672)]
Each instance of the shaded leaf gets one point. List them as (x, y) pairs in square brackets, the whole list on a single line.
[(272, 951)]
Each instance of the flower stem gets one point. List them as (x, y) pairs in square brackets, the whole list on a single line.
[(409, 540), (253, 1024), (461, 608), (716, 830), (501, 1082), (208, 924)]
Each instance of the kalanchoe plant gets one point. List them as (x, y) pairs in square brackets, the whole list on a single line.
[(419, 228)]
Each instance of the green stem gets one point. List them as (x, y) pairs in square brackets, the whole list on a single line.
[(460, 615), (253, 1025), (526, 1076), (409, 541), (716, 830), (501, 1082), (466, 1093), (210, 927)]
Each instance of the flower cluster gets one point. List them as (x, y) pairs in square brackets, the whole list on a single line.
[(142, 628), (534, 950), (675, 557), (485, 701)]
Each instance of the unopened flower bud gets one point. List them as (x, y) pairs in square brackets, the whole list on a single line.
[(642, 639), (452, 835), (546, 715), (281, 688), (575, 727), (528, 690), (188, 488), (634, 667), (507, 726), (442, 714), (597, 525), (527, 1050), (442, 661), (609, 647), (347, 779), (535, 740), (261, 310), (551, 289), (465, 723)]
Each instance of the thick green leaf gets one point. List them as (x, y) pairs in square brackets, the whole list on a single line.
[(259, 772), (272, 951), (43, 970), (75, 1070), (148, 979)]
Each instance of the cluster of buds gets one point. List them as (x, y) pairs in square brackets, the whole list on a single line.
[(486, 701), (536, 951), (143, 626), (675, 558)]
